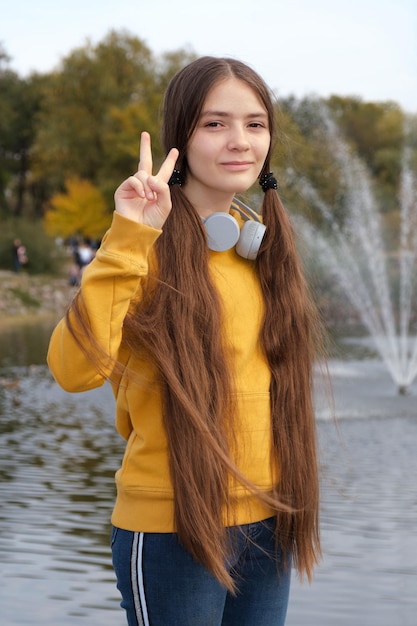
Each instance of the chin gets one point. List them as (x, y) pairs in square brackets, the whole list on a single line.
[(243, 187), (239, 184)]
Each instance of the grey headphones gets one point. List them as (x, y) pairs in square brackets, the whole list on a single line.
[(223, 231)]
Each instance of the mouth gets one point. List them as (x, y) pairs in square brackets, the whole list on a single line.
[(237, 166)]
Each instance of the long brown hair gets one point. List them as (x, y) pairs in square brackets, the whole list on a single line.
[(177, 324)]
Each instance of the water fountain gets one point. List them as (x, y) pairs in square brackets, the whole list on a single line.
[(379, 282)]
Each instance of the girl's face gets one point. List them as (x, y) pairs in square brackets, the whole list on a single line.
[(228, 148)]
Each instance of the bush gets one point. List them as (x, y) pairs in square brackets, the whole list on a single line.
[(44, 255)]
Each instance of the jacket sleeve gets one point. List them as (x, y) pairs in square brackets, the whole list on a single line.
[(108, 285)]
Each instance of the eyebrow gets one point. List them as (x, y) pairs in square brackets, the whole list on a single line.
[(213, 113)]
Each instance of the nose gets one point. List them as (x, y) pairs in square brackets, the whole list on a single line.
[(238, 139)]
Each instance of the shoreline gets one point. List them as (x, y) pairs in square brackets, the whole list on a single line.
[(25, 298), (8, 322)]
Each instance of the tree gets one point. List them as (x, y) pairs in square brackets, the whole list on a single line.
[(80, 211), (19, 101), (72, 123), (377, 133), (304, 152), (94, 109)]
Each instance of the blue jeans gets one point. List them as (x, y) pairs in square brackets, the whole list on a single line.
[(162, 585)]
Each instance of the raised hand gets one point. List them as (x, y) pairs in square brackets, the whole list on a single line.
[(145, 198)]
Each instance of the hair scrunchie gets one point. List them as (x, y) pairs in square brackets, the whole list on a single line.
[(176, 178), (268, 181)]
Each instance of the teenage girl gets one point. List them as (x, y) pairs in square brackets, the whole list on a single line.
[(198, 315)]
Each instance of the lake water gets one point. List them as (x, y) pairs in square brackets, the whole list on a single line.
[(59, 452)]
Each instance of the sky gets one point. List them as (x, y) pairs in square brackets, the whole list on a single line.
[(361, 48)]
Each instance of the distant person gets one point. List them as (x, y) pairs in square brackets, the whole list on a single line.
[(19, 255), (83, 254), (199, 316)]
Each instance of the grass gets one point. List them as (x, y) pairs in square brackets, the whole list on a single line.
[(25, 298)]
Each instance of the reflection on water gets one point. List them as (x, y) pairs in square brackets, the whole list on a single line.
[(24, 344), (369, 511), (58, 455)]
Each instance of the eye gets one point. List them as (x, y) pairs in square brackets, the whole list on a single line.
[(257, 125), (213, 124)]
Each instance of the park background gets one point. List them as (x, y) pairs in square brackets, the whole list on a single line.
[(77, 85)]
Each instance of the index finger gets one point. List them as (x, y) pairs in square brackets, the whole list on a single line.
[(168, 165), (145, 154)]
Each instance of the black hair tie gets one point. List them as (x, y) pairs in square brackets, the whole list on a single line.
[(176, 178), (268, 181)]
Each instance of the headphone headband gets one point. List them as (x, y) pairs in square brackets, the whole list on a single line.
[(245, 211)]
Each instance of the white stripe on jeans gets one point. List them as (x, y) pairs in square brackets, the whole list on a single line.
[(136, 573)]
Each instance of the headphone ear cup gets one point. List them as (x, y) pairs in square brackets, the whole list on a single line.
[(250, 239), (222, 231)]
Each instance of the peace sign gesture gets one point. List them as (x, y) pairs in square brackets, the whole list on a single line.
[(145, 198)]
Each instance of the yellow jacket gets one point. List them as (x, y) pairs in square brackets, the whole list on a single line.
[(144, 490)]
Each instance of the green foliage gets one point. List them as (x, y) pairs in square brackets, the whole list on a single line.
[(45, 257), (307, 154), (374, 131), (25, 297), (83, 122), (94, 109), (72, 124), (377, 133), (19, 102)]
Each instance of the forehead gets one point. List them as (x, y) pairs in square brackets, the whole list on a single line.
[(231, 93)]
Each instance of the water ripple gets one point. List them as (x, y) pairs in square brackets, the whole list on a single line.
[(58, 455)]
